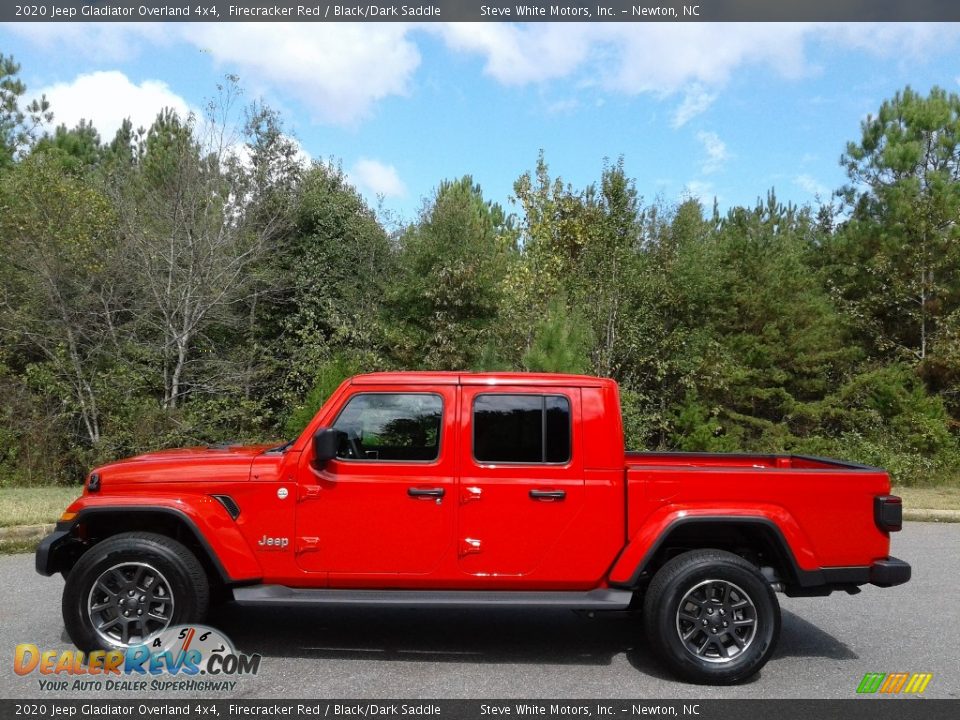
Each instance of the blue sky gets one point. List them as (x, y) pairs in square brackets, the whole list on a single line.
[(725, 110)]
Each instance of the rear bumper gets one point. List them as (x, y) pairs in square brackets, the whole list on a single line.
[(889, 572), (885, 572)]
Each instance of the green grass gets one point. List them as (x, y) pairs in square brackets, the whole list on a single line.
[(34, 506), (13, 547), (933, 498)]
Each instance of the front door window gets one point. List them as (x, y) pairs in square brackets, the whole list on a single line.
[(389, 427)]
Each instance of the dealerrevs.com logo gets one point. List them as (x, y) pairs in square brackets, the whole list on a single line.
[(894, 683), (192, 658)]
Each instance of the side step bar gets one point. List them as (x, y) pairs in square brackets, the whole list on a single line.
[(602, 599)]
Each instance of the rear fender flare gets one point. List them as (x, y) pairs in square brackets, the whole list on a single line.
[(795, 550)]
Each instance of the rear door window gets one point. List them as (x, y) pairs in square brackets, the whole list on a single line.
[(521, 428)]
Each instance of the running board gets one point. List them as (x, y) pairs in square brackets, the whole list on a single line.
[(282, 595)]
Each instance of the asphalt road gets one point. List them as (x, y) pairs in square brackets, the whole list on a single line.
[(826, 646)]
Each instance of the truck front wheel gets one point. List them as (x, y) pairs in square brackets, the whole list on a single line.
[(130, 586), (712, 617)]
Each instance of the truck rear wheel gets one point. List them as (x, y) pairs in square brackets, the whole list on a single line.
[(712, 617), (130, 586)]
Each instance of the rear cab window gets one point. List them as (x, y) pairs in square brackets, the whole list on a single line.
[(524, 429)]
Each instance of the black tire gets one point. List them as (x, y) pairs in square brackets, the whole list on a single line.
[(180, 588), (689, 600)]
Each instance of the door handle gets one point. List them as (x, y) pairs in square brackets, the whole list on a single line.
[(425, 492), (548, 494)]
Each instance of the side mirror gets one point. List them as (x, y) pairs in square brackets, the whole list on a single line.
[(326, 442)]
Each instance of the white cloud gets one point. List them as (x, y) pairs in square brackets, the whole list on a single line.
[(696, 100), (667, 58), (563, 107), (715, 149), (338, 71), (105, 41), (377, 178), (107, 98), (811, 185), (519, 55), (699, 190), (241, 152), (341, 71), (892, 39), (302, 156), (626, 57)]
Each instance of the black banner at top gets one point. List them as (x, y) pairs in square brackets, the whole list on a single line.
[(481, 11)]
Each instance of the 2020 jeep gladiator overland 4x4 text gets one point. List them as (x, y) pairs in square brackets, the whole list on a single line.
[(445, 489)]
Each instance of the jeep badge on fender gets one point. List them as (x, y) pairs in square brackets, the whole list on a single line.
[(273, 543)]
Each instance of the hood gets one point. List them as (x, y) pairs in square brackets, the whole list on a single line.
[(198, 464)]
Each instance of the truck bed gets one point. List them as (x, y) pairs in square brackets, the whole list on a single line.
[(821, 504), (693, 460)]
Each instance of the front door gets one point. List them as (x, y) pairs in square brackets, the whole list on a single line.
[(385, 507), (522, 481)]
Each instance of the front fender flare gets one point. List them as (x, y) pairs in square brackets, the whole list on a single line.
[(207, 521)]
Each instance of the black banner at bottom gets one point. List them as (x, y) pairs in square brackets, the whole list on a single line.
[(867, 708)]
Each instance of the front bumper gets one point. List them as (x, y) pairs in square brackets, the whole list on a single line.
[(889, 572), (53, 548)]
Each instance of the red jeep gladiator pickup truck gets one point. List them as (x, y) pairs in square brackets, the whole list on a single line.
[(449, 489)]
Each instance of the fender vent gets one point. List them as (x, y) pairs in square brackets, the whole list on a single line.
[(229, 504)]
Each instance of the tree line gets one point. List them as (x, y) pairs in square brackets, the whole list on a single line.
[(196, 282)]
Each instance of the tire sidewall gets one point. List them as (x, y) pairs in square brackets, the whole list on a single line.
[(186, 600), (753, 658)]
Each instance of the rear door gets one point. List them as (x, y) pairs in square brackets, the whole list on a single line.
[(522, 480)]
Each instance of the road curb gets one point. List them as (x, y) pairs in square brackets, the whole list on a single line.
[(24, 533), (927, 515)]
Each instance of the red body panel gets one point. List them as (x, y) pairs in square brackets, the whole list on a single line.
[(354, 524), (824, 512), (525, 542), (367, 527), (226, 537)]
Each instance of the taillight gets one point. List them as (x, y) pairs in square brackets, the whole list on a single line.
[(888, 512)]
